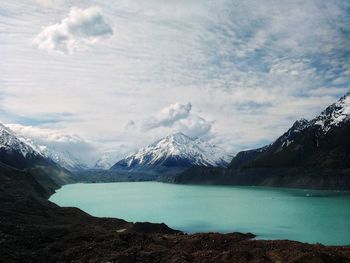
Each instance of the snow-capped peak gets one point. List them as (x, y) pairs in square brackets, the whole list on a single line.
[(287, 138), (335, 114), (10, 142), (177, 150), (178, 137), (64, 158), (106, 160), (300, 125)]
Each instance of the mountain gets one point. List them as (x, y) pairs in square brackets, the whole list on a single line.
[(22, 154), (64, 159), (311, 154), (323, 142), (176, 150), (16, 152), (107, 160)]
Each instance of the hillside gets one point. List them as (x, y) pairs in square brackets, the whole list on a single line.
[(311, 154), (20, 154)]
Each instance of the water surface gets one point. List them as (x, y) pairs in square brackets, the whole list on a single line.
[(304, 215)]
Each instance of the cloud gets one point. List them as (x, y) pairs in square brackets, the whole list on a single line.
[(82, 28), (169, 115), (195, 126), (62, 142), (178, 117), (130, 125), (48, 3), (253, 68)]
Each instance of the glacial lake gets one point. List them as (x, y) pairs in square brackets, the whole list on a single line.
[(270, 213)]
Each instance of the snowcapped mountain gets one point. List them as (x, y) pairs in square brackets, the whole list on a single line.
[(334, 115), (322, 142), (21, 153), (11, 144), (310, 155), (106, 160), (64, 159), (176, 150), (287, 138)]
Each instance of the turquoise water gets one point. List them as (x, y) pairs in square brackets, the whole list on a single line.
[(270, 213)]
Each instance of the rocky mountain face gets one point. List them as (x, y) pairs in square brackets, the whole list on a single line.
[(63, 158), (16, 152), (323, 142), (311, 154), (19, 153), (176, 150)]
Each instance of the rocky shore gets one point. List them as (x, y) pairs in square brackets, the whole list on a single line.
[(32, 229)]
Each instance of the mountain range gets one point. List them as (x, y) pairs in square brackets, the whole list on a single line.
[(21, 154), (311, 154), (322, 142), (171, 155), (176, 150)]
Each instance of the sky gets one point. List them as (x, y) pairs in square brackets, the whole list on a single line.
[(94, 76)]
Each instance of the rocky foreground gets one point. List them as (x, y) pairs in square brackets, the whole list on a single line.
[(32, 229)]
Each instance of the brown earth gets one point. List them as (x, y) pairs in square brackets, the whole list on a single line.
[(32, 229)]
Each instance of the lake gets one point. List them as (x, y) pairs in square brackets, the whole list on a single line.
[(270, 213)]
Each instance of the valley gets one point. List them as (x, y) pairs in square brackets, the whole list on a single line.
[(310, 155)]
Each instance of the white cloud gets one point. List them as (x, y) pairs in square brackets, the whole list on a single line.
[(169, 115), (48, 3), (178, 117), (82, 27), (252, 68), (195, 126), (45, 135)]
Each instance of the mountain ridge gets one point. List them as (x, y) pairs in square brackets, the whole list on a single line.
[(175, 150), (310, 154), (21, 154)]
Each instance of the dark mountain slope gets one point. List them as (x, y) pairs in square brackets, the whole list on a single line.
[(19, 154), (323, 142), (311, 154)]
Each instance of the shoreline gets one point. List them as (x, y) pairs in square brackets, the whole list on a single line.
[(34, 229), (264, 230), (219, 185)]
